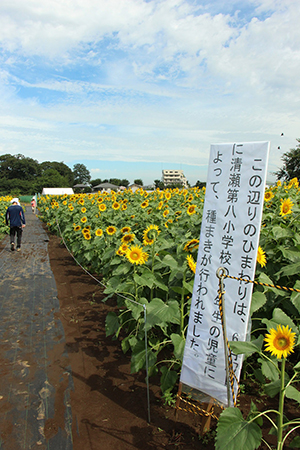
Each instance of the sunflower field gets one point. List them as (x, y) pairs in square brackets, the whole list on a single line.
[(4, 204), (143, 247)]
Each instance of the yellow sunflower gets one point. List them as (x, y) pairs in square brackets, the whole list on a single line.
[(293, 182), (286, 207), (191, 210), (71, 208), (87, 236), (125, 230), (268, 196), (145, 204), (124, 248), (278, 183), (160, 205), (77, 228), (280, 342), (261, 257), (111, 230), (168, 195), (102, 207), (127, 238), (191, 245), (150, 234), (99, 232), (83, 210), (116, 206), (124, 207), (191, 263), (166, 212), (83, 219), (167, 222), (136, 255)]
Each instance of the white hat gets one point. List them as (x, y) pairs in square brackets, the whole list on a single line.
[(15, 200)]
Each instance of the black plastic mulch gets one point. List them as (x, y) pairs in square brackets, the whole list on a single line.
[(30, 334)]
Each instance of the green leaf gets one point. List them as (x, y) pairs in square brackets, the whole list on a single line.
[(138, 357), (258, 300), (291, 269), (136, 310), (235, 433), (146, 279), (170, 262), (269, 369), (160, 313), (253, 413), (295, 297), (291, 255), (280, 318), (122, 269), (292, 393), (297, 366), (168, 378), (111, 323), (246, 348), (179, 344), (189, 285), (158, 282), (281, 233), (272, 389)]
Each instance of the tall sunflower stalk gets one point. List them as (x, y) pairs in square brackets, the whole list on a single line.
[(280, 343)]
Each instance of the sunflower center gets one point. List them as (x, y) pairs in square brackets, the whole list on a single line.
[(282, 343), (135, 256)]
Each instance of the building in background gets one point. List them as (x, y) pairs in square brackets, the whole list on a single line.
[(174, 177)]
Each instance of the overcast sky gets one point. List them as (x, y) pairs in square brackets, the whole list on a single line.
[(131, 87)]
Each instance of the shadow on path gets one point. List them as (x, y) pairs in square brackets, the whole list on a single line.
[(31, 388)]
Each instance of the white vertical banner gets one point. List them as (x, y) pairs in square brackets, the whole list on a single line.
[(229, 238)]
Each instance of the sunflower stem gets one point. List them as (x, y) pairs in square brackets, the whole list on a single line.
[(182, 306), (281, 405)]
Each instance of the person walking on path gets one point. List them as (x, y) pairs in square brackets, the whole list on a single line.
[(33, 205), (16, 218)]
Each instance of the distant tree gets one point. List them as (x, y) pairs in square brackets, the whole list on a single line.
[(139, 182), (15, 187), (18, 166), (81, 174), (61, 168), (115, 181), (291, 164), (200, 184), (50, 178), (124, 182), (159, 184), (174, 185), (95, 182)]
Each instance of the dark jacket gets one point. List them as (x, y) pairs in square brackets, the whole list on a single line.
[(15, 216)]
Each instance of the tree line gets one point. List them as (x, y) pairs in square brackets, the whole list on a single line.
[(21, 175)]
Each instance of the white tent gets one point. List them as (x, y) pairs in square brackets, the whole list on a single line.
[(57, 191)]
